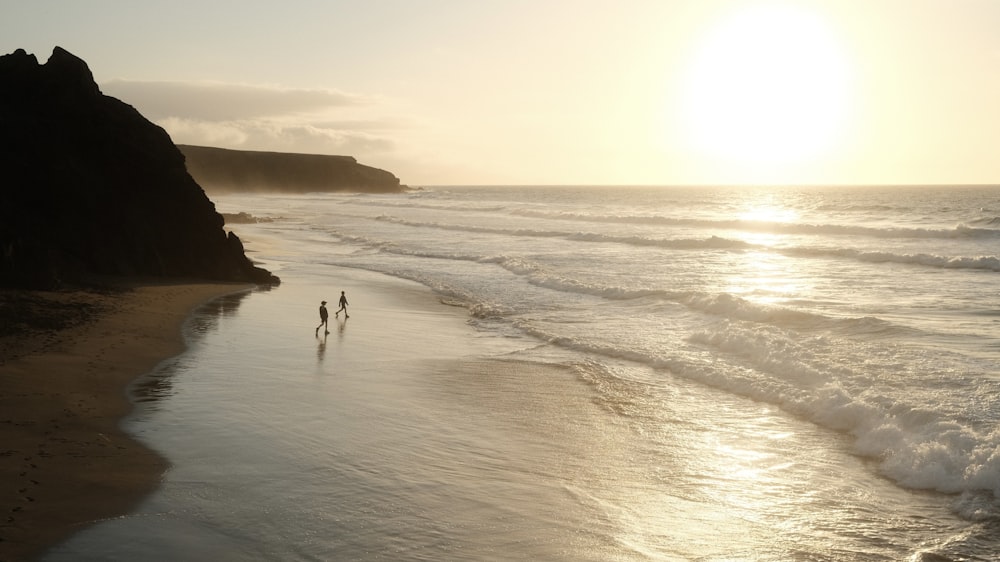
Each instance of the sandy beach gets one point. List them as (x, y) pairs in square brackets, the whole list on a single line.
[(540, 402), (66, 360), (399, 433)]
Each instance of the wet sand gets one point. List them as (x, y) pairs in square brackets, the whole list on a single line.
[(66, 361)]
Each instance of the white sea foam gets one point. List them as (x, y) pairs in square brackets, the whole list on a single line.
[(916, 446)]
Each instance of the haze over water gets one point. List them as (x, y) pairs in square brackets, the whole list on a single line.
[(591, 373)]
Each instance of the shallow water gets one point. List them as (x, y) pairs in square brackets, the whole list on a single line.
[(589, 374)]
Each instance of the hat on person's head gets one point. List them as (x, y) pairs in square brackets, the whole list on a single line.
[(323, 302)]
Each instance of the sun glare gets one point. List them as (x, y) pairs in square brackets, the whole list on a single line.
[(769, 86), (768, 213)]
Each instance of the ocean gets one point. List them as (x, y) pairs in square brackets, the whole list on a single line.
[(587, 373)]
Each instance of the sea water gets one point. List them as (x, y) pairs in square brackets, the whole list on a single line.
[(632, 373)]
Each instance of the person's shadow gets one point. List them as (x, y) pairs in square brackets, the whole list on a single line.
[(321, 350)]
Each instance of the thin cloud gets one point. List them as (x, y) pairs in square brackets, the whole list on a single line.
[(218, 101), (204, 133), (368, 124), (275, 136), (262, 117)]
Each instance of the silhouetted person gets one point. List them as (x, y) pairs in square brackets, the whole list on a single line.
[(343, 306), (323, 316)]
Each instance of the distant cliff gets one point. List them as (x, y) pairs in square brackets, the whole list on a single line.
[(218, 169), (89, 187)]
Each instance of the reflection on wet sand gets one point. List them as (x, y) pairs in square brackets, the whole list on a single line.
[(157, 384)]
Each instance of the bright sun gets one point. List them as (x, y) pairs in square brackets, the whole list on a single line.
[(768, 87)]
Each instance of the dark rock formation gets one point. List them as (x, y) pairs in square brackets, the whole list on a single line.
[(89, 187), (219, 169)]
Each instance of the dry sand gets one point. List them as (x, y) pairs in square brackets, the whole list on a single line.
[(66, 360)]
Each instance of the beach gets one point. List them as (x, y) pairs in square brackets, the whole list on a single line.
[(563, 374), (65, 461), (401, 434)]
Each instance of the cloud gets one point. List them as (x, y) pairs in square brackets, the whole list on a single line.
[(263, 117), (218, 101), (204, 133), (276, 136)]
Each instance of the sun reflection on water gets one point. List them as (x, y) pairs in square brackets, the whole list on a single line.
[(734, 488), (766, 278), (761, 222), (768, 213)]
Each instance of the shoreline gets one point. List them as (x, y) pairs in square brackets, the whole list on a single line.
[(65, 461)]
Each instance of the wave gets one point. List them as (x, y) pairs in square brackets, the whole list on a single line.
[(733, 308), (979, 228), (988, 263), (713, 242), (471, 228), (915, 446), (454, 207), (987, 221), (722, 305), (772, 227)]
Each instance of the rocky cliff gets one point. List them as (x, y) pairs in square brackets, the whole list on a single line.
[(89, 187), (218, 169)]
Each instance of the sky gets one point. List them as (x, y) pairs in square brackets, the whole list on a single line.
[(542, 92)]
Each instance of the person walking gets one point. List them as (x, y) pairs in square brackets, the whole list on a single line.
[(343, 306), (323, 316)]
